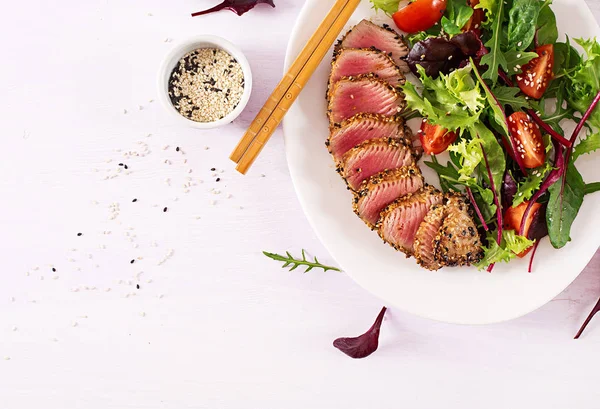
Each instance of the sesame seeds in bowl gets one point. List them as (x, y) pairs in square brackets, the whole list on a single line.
[(205, 82)]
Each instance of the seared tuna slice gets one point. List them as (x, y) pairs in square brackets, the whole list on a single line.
[(426, 235), (360, 128), (382, 189), (367, 94), (458, 241), (352, 62), (367, 34), (372, 157), (399, 222)]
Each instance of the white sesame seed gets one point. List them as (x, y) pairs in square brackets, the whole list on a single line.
[(14, 329)]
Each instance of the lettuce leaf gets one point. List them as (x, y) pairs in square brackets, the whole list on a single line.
[(451, 101), (511, 245), (389, 7), (584, 82), (587, 145)]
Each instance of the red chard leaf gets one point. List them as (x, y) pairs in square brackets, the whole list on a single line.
[(364, 345), (589, 318), (237, 6)]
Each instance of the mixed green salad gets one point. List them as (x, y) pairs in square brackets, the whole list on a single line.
[(497, 88)]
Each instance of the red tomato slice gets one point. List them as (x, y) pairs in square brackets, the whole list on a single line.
[(528, 140), (537, 74), (474, 23), (434, 138), (419, 15), (513, 217)]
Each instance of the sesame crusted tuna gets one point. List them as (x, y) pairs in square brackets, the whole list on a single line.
[(361, 128), (372, 157), (457, 242), (367, 34), (399, 222), (363, 94), (426, 234), (357, 61), (382, 189)]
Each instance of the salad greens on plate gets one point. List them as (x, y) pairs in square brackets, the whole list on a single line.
[(496, 89)]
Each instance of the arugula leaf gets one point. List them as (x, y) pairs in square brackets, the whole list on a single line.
[(587, 145), (531, 184), (451, 101), (547, 31), (495, 57), (445, 173), (566, 198), (511, 245), (566, 59), (389, 7), (515, 59), (521, 29), (458, 14), (499, 117), (560, 111), (508, 96), (591, 188)]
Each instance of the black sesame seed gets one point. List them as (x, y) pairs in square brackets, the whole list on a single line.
[(165, 209), (132, 261), (79, 234), (120, 164), (53, 270), (213, 169), (218, 179), (134, 200), (137, 286), (125, 167), (177, 149)]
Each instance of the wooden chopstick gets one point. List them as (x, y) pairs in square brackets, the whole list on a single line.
[(292, 83)]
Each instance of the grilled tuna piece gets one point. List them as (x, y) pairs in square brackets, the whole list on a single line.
[(372, 157), (360, 128), (351, 62), (457, 242), (427, 233), (382, 189), (398, 222), (367, 94), (367, 34)]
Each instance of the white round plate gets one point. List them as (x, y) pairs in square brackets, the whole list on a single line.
[(456, 295)]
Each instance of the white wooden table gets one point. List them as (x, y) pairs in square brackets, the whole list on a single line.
[(216, 325)]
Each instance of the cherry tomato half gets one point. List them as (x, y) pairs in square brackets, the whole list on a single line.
[(434, 138), (513, 217), (419, 15), (537, 73), (528, 140)]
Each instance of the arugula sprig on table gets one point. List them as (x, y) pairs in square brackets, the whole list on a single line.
[(293, 263)]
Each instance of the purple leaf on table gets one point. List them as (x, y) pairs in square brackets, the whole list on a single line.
[(364, 345), (237, 6)]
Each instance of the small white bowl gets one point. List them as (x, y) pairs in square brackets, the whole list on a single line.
[(191, 44)]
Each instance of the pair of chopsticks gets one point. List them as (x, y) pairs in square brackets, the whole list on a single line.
[(289, 87)]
